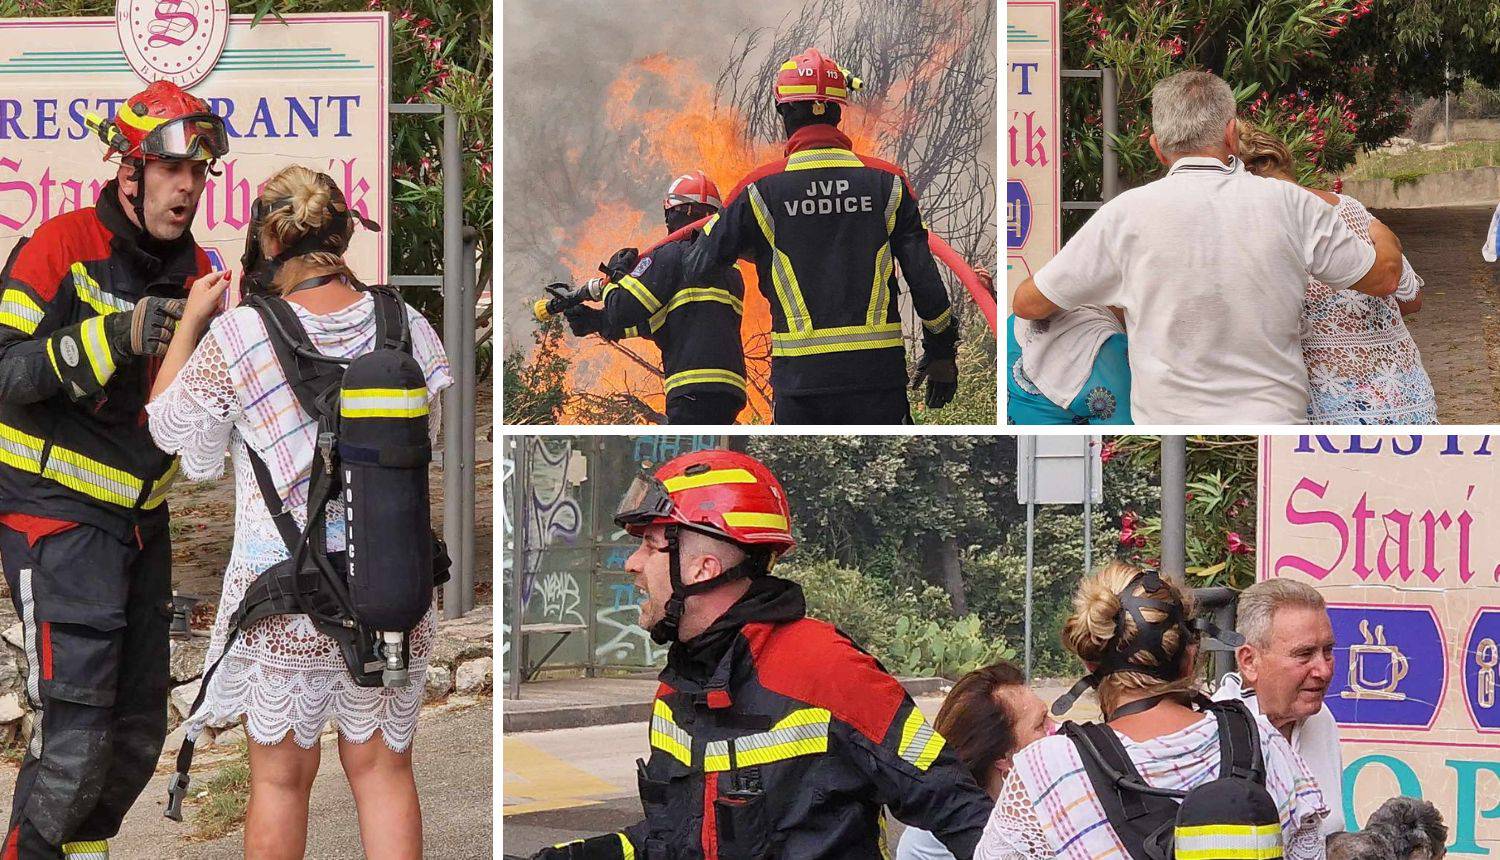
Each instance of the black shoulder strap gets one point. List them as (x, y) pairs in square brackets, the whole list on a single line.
[(1240, 754), (392, 328), (1135, 815), (311, 379)]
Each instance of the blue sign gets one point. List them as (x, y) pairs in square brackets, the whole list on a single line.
[(1017, 214), (1481, 664), (1389, 667)]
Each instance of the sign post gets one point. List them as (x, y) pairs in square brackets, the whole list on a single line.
[(1401, 535)]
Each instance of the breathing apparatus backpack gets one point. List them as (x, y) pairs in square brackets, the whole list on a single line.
[(1229, 817), (1232, 816), (372, 453)]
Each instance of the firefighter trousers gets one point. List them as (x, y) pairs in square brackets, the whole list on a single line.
[(95, 613), (706, 407), (878, 406)]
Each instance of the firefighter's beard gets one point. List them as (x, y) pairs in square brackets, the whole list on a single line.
[(167, 220)]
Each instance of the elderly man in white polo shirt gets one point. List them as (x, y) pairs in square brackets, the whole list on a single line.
[(1285, 667), (1210, 264)]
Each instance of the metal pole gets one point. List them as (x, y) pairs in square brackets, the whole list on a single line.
[(469, 268), (1030, 533), (459, 364), (1174, 506), (1109, 87), (1088, 508), (518, 552)]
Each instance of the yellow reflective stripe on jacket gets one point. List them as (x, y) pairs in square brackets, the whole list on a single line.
[(19, 311), (708, 226), (91, 294), (96, 348), (23, 451), (383, 403), (632, 285), (880, 292), (159, 490), (842, 339), (627, 851), (91, 477), (751, 520), (702, 377), (668, 737), (711, 478), (97, 849), (812, 159), (788, 292), (920, 742), (943, 320), (690, 295), (803, 732), (1237, 841)]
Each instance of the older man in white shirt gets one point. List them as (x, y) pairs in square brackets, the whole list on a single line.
[(1210, 265), (1285, 667)]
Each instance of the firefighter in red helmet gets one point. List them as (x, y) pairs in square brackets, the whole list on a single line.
[(772, 734), (695, 323), (825, 227), (86, 304)]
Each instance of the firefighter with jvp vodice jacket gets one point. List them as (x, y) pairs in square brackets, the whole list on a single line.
[(772, 734), (86, 306), (825, 227), (695, 322)]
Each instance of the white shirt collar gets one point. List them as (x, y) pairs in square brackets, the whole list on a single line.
[(1205, 164)]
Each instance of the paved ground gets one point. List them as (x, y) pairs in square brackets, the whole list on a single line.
[(454, 764), (1458, 328)]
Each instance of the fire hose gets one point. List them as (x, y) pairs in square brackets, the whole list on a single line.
[(545, 309)]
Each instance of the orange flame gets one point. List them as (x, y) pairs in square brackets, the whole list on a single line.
[(668, 105)]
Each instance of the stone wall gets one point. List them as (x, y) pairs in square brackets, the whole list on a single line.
[(462, 662), (1477, 187)]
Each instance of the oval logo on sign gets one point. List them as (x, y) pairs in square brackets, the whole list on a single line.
[(172, 40)]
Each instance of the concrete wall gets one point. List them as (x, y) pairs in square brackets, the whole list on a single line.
[(1477, 187), (1467, 129)]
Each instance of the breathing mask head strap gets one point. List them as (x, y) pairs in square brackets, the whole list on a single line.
[(1148, 638)]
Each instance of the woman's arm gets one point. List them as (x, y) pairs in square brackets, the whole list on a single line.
[(202, 304)]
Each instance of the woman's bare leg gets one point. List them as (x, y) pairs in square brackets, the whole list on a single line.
[(385, 792), (281, 779)]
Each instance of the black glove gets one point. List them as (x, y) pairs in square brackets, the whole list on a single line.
[(584, 320), (147, 330), (621, 264), (941, 375)]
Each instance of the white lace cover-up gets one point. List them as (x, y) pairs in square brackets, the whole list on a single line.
[(282, 675)]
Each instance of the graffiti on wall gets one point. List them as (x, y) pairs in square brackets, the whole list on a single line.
[(661, 448), (560, 598), (554, 514)]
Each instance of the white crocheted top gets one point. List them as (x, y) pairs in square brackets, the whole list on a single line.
[(282, 675)]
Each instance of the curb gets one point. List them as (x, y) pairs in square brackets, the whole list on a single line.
[(578, 716)]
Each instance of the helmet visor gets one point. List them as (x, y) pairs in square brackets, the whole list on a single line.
[(644, 502), (198, 136)]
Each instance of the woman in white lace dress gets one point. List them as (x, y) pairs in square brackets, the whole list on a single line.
[(1363, 366), (282, 679), (1048, 807)]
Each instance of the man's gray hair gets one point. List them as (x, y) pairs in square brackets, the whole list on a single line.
[(1189, 111), (696, 545), (1259, 602)]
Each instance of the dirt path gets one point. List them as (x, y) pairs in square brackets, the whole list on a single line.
[(1458, 328)]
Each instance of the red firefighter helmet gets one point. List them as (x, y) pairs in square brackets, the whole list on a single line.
[(164, 122), (694, 187), (812, 77), (725, 494)]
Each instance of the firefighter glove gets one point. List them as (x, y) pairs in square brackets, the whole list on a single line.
[(146, 330), (941, 376), (622, 264), (584, 320), (607, 847)]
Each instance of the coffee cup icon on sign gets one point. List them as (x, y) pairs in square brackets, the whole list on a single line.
[(1375, 668)]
